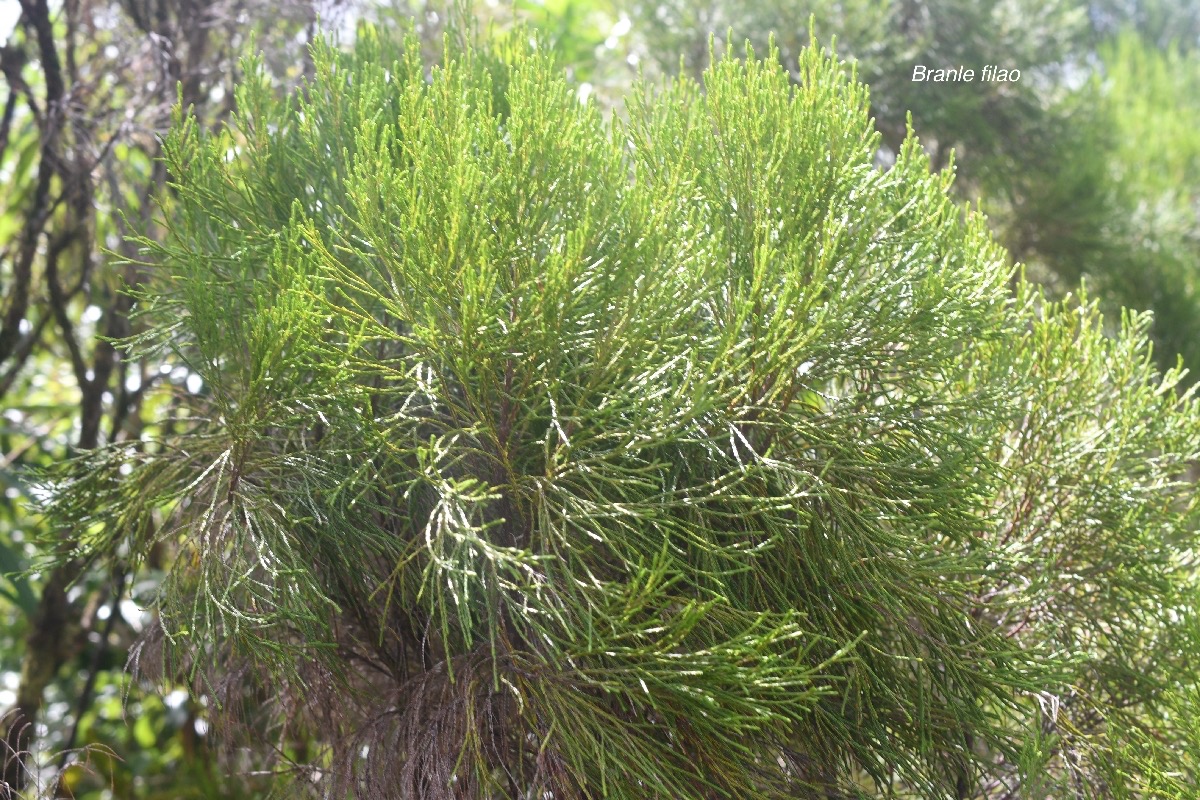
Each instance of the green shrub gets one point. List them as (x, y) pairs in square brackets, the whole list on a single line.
[(696, 457)]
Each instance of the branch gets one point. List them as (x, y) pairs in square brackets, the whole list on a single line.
[(89, 686), (37, 13), (10, 108), (58, 305), (21, 354), (18, 302)]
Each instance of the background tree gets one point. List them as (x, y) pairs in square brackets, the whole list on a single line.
[(694, 458), (86, 91), (1048, 156)]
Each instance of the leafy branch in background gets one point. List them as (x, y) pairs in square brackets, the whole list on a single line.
[(693, 457)]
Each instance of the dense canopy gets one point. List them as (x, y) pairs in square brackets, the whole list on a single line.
[(687, 456)]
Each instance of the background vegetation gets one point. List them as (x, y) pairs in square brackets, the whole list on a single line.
[(1087, 168)]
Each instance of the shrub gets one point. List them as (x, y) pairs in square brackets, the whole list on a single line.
[(688, 457)]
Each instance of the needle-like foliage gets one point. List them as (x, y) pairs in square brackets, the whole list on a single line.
[(689, 457)]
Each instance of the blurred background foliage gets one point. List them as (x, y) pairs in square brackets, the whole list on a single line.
[(1088, 167)]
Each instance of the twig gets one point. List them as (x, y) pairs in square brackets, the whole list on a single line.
[(89, 686)]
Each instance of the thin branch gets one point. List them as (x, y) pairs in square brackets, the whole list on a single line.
[(10, 109), (21, 354), (89, 686), (58, 305)]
